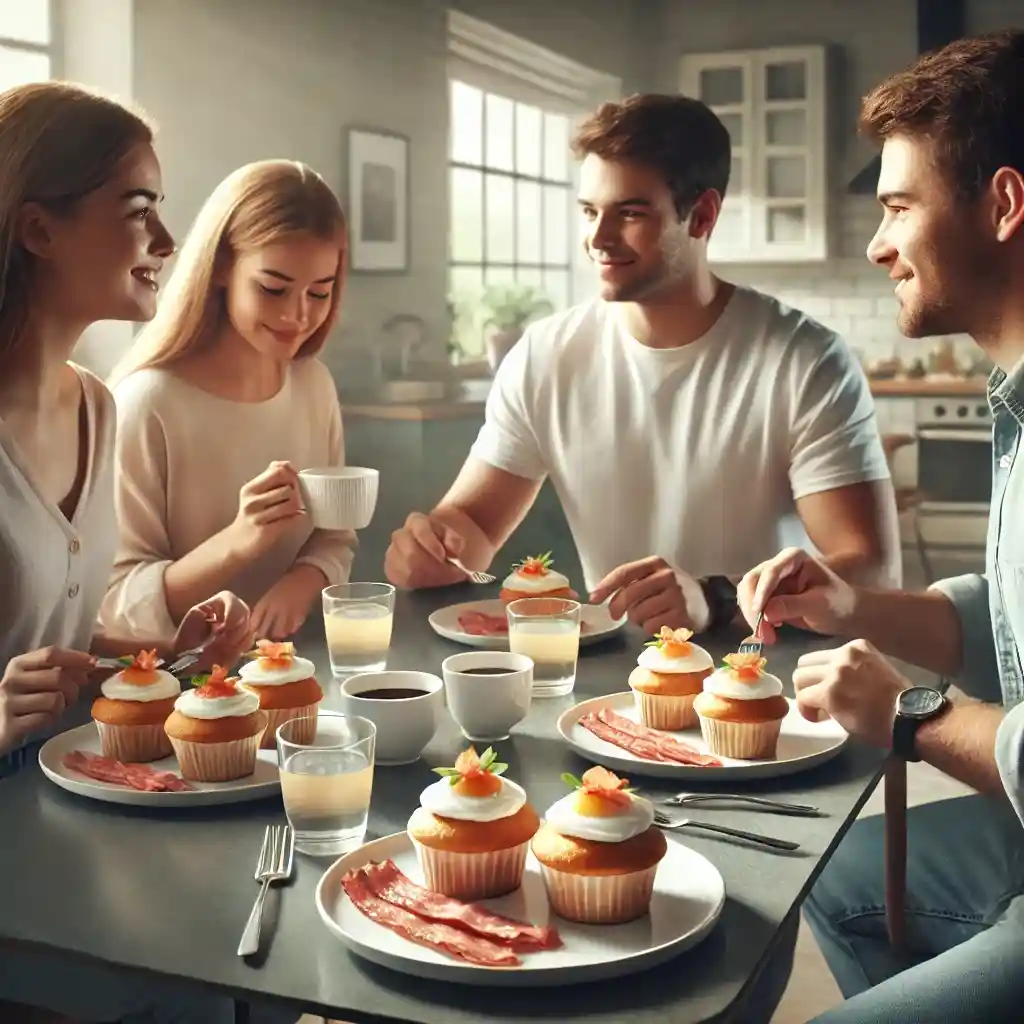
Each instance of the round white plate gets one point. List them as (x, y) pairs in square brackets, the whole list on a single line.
[(445, 622), (802, 745), (264, 782), (688, 897)]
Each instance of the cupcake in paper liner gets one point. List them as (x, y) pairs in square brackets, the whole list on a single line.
[(472, 829), (287, 688), (132, 708), (669, 674), (216, 729), (741, 709), (599, 851)]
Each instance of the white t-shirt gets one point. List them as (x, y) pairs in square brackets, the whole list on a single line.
[(697, 453)]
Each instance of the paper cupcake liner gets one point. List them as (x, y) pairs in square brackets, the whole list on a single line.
[(748, 741), (599, 899), (304, 733), (472, 876), (217, 762), (671, 713), (134, 743)]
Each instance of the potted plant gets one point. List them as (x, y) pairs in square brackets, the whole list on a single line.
[(508, 309)]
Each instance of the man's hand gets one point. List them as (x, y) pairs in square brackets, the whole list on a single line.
[(798, 589), (225, 617), (654, 594), (418, 553), (853, 684), (282, 610)]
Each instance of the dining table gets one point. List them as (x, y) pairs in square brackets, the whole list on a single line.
[(167, 892)]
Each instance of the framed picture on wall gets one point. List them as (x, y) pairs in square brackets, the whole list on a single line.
[(378, 201)]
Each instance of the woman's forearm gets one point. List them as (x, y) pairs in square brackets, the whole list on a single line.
[(205, 570)]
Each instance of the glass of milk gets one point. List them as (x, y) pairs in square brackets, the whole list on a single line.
[(357, 621), (547, 629)]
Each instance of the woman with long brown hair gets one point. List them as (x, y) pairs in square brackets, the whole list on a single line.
[(222, 399)]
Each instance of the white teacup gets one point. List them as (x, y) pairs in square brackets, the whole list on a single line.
[(488, 692), (340, 497), (405, 723)]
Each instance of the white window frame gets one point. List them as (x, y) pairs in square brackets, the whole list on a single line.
[(52, 49), (497, 62)]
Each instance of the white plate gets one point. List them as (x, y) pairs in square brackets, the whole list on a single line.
[(445, 622), (688, 897), (802, 745), (264, 782)]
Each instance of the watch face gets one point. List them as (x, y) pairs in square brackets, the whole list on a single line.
[(920, 702)]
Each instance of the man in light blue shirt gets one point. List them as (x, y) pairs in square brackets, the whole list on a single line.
[(952, 238)]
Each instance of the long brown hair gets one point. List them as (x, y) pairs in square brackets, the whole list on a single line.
[(257, 205), (58, 143)]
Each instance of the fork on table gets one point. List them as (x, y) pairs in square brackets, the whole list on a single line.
[(475, 577), (275, 865), (662, 820), (779, 806)]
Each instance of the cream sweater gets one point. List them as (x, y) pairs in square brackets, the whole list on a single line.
[(182, 457)]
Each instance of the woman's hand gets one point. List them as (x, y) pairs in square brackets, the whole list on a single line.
[(282, 610), (225, 618)]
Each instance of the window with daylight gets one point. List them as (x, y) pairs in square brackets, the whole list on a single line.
[(26, 41), (511, 201)]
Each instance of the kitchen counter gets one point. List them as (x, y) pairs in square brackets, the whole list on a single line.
[(470, 402)]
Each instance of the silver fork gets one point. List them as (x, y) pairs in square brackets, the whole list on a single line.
[(753, 644), (664, 821), (682, 799), (275, 865), (117, 664), (188, 658), (476, 577)]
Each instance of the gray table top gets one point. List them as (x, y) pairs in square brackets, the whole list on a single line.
[(169, 892)]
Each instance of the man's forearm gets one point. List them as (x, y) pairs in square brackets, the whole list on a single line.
[(962, 742), (922, 629)]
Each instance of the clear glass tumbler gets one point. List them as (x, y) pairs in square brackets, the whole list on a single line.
[(357, 622), (547, 629)]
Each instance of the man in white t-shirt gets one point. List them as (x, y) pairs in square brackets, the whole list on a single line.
[(688, 426)]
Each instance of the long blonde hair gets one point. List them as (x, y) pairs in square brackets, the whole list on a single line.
[(257, 205), (58, 143)]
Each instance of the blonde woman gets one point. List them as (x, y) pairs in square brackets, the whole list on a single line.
[(81, 240), (222, 400)]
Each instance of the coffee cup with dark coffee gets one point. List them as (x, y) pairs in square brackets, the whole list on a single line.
[(488, 692), (404, 706)]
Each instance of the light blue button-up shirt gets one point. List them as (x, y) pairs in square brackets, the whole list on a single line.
[(991, 606)]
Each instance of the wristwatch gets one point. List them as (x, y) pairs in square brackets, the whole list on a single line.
[(913, 707), (720, 592)]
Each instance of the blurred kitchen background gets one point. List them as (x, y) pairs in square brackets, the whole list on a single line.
[(445, 128)]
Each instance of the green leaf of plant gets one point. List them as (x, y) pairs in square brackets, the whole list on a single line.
[(497, 768), (198, 681), (446, 772), (570, 780), (487, 759)]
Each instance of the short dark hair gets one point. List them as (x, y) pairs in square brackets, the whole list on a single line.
[(677, 136), (967, 99)]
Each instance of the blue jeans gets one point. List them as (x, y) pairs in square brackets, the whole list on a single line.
[(965, 919)]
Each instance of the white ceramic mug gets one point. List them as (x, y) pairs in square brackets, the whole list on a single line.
[(488, 692), (405, 724), (340, 497)]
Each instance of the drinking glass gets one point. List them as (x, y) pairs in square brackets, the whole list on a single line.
[(547, 629), (326, 784), (357, 620)]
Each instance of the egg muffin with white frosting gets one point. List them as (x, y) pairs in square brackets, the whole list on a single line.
[(669, 674), (599, 850), (535, 577), (132, 708), (472, 829), (741, 709), (216, 728), (287, 688)]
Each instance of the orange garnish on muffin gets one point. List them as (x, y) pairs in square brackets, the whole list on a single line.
[(141, 669), (673, 643), (271, 654), (216, 684), (745, 667), (475, 776), (601, 792), (535, 565)]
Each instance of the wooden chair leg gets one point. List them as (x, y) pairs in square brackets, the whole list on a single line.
[(895, 783)]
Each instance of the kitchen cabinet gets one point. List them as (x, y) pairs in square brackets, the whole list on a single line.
[(773, 103)]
